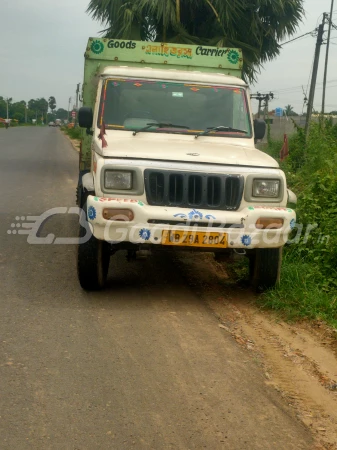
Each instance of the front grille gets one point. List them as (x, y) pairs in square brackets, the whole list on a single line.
[(193, 190)]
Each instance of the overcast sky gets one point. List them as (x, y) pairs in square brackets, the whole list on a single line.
[(43, 42)]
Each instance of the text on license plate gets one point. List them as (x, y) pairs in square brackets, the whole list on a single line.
[(195, 239)]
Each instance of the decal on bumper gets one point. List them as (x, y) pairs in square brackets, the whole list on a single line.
[(204, 228)]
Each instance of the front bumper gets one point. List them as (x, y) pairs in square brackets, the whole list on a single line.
[(150, 222)]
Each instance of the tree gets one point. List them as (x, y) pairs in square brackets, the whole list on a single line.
[(289, 111), (52, 104), (256, 26), (39, 106), (19, 117), (32, 105), (43, 107), (17, 111), (62, 114), (3, 107)]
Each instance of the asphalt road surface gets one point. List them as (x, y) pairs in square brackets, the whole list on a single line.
[(142, 365)]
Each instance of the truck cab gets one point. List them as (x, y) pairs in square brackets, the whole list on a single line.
[(168, 160)]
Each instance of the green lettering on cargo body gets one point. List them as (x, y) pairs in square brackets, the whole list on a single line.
[(129, 45)]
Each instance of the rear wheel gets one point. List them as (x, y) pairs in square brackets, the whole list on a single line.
[(93, 258), (265, 268)]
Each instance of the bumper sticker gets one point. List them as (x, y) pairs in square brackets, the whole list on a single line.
[(92, 213), (145, 234), (246, 240)]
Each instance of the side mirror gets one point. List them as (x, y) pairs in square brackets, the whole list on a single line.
[(259, 128), (85, 117)]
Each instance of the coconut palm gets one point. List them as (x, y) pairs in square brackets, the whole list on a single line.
[(256, 26), (289, 110), (52, 103)]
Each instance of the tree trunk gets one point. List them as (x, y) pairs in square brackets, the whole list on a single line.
[(178, 10), (135, 31)]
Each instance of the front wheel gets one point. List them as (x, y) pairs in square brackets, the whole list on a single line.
[(265, 268), (93, 258)]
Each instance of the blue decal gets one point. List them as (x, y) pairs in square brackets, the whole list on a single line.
[(209, 217), (246, 240), (92, 213), (194, 214), (145, 234), (292, 224)]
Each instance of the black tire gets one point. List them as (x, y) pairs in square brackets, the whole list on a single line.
[(93, 258), (265, 268)]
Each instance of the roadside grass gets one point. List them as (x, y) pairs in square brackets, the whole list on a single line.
[(308, 287), (300, 294), (73, 133)]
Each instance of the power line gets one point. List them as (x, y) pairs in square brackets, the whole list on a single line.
[(299, 37), (298, 87)]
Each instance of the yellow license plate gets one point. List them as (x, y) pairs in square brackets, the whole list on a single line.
[(195, 239)]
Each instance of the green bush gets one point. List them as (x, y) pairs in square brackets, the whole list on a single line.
[(308, 285), (73, 133), (300, 294)]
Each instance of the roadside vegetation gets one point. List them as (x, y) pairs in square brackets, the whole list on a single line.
[(308, 287), (23, 113), (73, 132), (13, 124)]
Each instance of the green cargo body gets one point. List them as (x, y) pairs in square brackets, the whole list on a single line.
[(103, 53)]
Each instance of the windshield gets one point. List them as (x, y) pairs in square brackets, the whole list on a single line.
[(132, 105)]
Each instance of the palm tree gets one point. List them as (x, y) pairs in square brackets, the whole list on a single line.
[(289, 110), (256, 26), (52, 103)]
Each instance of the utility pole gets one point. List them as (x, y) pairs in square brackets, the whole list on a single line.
[(77, 92), (69, 103), (266, 107), (314, 74), (263, 98), (327, 57), (259, 98)]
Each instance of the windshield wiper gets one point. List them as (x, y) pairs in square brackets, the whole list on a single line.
[(159, 125), (220, 128)]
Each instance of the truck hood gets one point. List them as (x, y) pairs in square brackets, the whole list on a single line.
[(170, 147)]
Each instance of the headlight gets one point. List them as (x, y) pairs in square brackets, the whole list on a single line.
[(118, 180), (266, 188)]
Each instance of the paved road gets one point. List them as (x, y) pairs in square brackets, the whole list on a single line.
[(141, 365)]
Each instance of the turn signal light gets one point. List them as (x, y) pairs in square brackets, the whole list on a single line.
[(269, 223), (118, 215)]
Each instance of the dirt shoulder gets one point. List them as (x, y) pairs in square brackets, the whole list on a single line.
[(299, 359), (74, 142)]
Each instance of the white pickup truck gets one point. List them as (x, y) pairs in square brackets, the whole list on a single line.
[(168, 160)]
